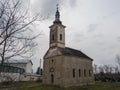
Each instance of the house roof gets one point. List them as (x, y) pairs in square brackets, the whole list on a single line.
[(70, 51), (18, 61)]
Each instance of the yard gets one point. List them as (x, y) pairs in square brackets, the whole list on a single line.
[(39, 86)]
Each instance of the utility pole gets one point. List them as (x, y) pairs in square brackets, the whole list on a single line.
[(40, 68)]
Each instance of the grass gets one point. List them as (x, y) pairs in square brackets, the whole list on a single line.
[(39, 86)]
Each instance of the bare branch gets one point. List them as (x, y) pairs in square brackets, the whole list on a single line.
[(13, 27)]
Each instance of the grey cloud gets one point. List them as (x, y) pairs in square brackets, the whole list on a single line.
[(79, 37), (98, 39), (118, 38), (73, 3), (98, 35), (45, 7), (48, 7), (92, 27)]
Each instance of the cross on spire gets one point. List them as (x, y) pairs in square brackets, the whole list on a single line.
[(57, 16), (57, 6)]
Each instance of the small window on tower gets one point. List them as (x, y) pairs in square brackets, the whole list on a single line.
[(52, 60), (60, 36), (53, 37)]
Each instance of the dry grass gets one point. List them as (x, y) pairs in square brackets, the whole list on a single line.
[(39, 86)]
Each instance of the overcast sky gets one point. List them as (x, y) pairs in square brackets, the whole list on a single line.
[(92, 26)]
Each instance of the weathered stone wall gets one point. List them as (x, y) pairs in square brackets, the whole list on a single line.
[(4, 77), (53, 66), (56, 31), (63, 71), (77, 63)]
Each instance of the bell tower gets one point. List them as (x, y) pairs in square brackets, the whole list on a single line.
[(57, 32)]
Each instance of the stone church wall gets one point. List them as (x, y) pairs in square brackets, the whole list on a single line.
[(77, 63), (63, 71), (52, 66)]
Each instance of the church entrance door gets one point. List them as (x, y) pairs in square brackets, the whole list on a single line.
[(52, 78)]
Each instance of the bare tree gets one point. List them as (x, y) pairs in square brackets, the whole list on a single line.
[(16, 39), (101, 69), (118, 59), (108, 69), (116, 69), (95, 68)]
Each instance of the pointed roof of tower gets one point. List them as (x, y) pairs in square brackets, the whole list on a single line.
[(57, 17)]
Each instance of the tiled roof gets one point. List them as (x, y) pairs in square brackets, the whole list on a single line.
[(70, 51)]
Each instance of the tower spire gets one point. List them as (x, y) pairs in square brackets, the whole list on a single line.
[(57, 17)]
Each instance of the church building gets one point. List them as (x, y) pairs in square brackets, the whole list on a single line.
[(65, 66)]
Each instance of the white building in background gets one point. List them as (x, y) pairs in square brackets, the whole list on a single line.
[(24, 64), (18, 70)]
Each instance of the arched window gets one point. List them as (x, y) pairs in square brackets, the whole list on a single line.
[(90, 73), (84, 73), (52, 60), (52, 78), (60, 36), (79, 73), (73, 72), (53, 38)]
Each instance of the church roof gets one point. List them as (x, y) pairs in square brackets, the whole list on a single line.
[(70, 51)]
